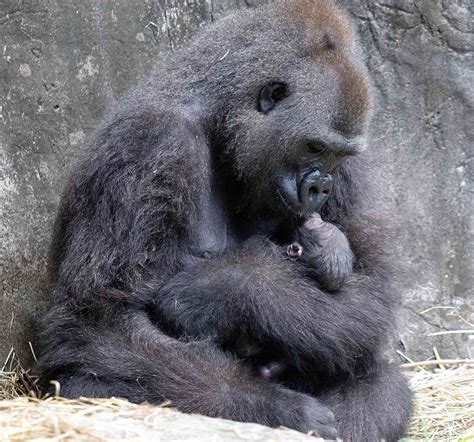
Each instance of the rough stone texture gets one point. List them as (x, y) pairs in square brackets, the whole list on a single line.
[(420, 57), (63, 64)]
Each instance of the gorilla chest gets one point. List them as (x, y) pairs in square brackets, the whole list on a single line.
[(213, 232)]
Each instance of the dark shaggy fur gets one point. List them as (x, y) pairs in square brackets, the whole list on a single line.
[(170, 245)]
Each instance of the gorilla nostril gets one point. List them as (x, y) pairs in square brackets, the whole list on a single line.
[(319, 188)]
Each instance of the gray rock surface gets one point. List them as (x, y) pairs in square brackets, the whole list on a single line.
[(63, 64)]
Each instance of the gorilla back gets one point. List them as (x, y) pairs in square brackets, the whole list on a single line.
[(222, 202)]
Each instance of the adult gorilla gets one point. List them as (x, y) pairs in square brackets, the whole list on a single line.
[(191, 226)]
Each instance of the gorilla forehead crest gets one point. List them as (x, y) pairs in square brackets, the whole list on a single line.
[(324, 25), (327, 34)]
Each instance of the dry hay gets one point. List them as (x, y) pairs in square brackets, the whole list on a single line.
[(444, 404), (58, 419), (15, 381), (444, 410)]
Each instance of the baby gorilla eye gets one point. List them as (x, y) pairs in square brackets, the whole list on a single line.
[(270, 95)]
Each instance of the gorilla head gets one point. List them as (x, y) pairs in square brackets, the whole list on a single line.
[(295, 101)]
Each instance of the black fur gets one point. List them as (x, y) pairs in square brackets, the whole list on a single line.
[(170, 244)]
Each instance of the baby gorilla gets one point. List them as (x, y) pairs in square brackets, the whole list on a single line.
[(324, 249)]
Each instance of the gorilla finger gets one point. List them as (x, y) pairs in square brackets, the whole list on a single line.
[(314, 222), (326, 416), (294, 250), (326, 432)]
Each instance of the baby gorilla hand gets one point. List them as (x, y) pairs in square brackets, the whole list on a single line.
[(325, 251)]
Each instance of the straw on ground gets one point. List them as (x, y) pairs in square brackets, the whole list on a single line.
[(444, 397)]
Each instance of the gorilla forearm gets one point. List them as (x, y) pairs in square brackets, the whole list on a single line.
[(256, 289)]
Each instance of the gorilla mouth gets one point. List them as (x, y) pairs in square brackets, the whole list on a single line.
[(304, 194), (287, 190), (290, 206)]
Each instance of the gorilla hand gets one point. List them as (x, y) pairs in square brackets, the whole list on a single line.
[(325, 250), (308, 415)]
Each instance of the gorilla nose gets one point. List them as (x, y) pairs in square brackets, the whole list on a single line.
[(314, 190), (338, 144)]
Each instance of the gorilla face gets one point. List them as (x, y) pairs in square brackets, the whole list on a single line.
[(318, 123), (295, 123), (319, 130), (306, 184)]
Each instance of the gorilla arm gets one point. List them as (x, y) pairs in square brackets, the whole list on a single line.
[(257, 290)]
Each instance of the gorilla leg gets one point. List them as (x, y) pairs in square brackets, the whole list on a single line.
[(131, 358), (372, 408)]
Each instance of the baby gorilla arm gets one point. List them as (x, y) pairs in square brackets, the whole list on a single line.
[(325, 251)]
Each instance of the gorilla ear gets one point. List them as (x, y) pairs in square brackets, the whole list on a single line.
[(271, 94)]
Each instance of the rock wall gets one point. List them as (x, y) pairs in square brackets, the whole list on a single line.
[(63, 64)]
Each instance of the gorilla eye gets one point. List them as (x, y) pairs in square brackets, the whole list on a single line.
[(270, 95), (314, 146)]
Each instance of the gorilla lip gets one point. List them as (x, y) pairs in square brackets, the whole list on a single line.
[(289, 205)]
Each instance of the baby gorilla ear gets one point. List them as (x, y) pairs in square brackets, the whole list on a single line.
[(271, 94)]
